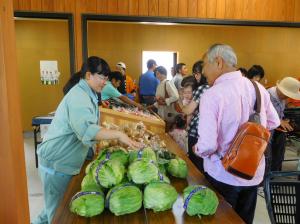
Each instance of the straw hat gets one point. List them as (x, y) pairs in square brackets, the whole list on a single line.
[(290, 87)]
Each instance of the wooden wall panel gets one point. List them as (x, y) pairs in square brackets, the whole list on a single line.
[(112, 7), (182, 8), (90, 6), (234, 9), (192, 8), (201, 9), (143, 8), (133, 7), (14, 197), (221, 9), (123, 7), (16, 4), (47, 6), (70, 7), (102, 6), (297, 11), (59, 5), (153, 7), (24, 5), (36, 5), (163, 8), (211, 6), (273, 10), (173, 8)]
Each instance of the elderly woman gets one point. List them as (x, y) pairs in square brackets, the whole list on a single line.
[(72, 132)]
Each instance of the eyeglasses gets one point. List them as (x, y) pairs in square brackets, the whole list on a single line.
[(197, 73), (101, 76)]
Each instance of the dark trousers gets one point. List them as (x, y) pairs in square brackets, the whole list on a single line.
[(277, 150), (242, 199), (198, 161), (148, 100)]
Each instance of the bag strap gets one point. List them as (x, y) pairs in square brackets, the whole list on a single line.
[(166, 92), (257, 105)]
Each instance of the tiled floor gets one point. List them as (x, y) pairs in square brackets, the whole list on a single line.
[(35, 191)]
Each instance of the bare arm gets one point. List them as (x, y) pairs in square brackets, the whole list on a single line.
[(190, 108), (105, 134), (125, 99)]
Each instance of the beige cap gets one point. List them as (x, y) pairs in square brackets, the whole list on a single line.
[(121, 64), (290, 87)]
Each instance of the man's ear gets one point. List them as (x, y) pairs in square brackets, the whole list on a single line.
[(220, 62)]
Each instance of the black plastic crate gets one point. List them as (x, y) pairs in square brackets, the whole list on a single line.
[(282, 195)]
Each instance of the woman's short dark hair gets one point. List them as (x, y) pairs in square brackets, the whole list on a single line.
[(94, 65), (197, 68), (243, 71), (115, 75), (255, 70), (161, 69)]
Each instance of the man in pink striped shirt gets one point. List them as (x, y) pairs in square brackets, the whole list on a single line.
[(223, 109)]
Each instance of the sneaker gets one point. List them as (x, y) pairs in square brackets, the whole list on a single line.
[(260, 192)]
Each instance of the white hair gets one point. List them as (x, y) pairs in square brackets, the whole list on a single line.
[(224, 51)]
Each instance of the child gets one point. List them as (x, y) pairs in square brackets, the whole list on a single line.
[(179, 133), (187, 98)]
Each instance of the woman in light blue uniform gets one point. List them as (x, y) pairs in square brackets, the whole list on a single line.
[(72, 132)]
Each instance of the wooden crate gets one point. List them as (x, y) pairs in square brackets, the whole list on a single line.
[(111, 116)]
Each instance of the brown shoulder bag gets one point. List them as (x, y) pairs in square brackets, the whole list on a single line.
[(175, 104), (248, 146)]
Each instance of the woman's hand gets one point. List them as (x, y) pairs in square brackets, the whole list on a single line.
[(127, 141)]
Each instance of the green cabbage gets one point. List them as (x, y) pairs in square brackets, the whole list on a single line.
[(108, 173), (177, 168), (159, 196), (88, 182), (88, 203), (200, 200), (142, 171), (163, 177), (124, 199), (89, 168), (146, 153), (116, 153)]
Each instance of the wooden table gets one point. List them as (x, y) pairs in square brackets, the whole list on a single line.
[(225, 214)]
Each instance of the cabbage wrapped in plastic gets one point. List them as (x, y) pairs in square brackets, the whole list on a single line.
[(88, 203), (177, 168), (143, 171), (89, 168), (163, 177), (116, 153), (200, 200), (159, 196), (145, 153), (124, 199), (88, 182), (108, 173)]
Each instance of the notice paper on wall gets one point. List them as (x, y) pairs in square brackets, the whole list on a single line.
[(49, 72)]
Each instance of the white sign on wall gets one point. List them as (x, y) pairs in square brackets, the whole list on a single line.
[(49, 72)]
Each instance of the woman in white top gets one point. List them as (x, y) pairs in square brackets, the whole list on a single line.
[(166, 95)]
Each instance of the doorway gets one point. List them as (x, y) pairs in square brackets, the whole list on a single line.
[(168, 59)]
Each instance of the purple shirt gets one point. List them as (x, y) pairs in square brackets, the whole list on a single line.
[(223, 109)]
